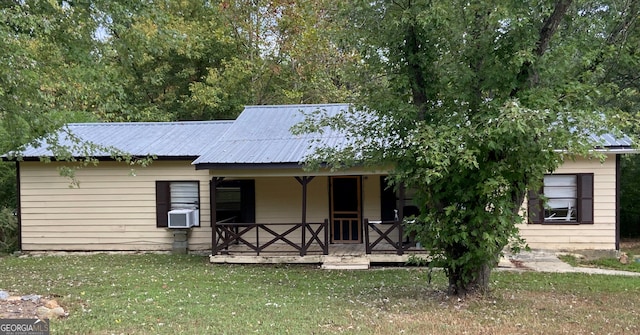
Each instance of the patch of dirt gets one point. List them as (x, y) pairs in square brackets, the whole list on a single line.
[(630, 245), (18, 309), (519, 264)]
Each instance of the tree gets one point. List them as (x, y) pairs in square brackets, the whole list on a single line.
[(287, 54), (45, 52), (469, 101), (190, 60)]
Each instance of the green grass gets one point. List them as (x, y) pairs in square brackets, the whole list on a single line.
[(169, 294), (613, 263), (603, 263)]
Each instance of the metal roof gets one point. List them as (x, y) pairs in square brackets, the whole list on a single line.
[(610, 141), (262, 135), (162, 139)]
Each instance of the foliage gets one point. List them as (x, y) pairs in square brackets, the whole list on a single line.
[(630, 196), (8, 230), (44, 57), (470, 103), (68, 61), (159, 61), (171, 294), (186, 60), (8, 185)]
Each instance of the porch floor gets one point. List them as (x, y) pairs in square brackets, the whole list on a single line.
[(341, 256)]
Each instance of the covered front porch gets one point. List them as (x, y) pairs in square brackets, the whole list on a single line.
[(384, 244), (242, 243), (324, 219)]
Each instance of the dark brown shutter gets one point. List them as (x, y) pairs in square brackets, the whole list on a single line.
[(585, 198), (535, 207), (248, 201), (163, 203)]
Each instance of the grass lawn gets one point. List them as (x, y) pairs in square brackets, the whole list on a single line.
[(169, 294), (631, 247)]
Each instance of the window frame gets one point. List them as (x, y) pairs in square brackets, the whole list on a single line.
[(247, 212), (584, 202), (163, 201), (390, 201)]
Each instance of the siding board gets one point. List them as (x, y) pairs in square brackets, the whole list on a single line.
[(111, 210), (601, 234)]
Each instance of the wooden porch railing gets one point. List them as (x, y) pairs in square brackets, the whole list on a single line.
[(390, 231), (233, 233)]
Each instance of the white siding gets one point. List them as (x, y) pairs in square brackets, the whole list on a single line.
[(599, 235), (112, 209)]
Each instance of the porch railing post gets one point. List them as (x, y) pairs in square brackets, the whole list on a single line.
[(400, 249), (303, 251), (326, 237), (257, 239), (213, 184), (304, 181), (366, 237), (400, 246)]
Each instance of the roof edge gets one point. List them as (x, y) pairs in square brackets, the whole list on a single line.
[(101, 158), (247, 166), (149, 123)]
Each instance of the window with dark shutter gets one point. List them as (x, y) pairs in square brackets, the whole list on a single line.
[(564, 198), (172, 195)]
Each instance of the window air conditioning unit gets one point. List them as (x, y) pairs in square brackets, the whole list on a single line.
[(183, 218)]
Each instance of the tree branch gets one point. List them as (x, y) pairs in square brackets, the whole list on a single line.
[(527, 74), (550, 26)]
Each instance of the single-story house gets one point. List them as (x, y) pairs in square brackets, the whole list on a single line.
[(240, 188)]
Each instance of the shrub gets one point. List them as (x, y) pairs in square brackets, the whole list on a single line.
[(8, 231)]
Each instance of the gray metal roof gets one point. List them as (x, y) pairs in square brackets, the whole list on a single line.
[(163, 139), (262, 135), (610, 141)]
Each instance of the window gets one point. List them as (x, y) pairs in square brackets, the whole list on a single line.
[(172, 195), (389, 202), (564, 198), (235, 201)]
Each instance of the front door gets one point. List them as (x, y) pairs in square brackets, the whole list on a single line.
[(346, 216)]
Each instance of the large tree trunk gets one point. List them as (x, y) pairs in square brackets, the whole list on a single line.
[(480, 284)]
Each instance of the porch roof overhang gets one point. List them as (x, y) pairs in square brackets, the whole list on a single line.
[(283, 170)]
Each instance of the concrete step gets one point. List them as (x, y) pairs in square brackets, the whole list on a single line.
[(345, 263)]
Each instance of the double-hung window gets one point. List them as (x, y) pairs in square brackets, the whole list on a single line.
[(564, 198), (172, 195)]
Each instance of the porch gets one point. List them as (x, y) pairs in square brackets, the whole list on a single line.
[(309, 243)]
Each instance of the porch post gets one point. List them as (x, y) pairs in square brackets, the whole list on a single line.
[(304, 181), (400, 249), (213, 184)]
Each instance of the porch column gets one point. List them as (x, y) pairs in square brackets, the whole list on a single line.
[(304, 181), (401, 195), (213, 184)]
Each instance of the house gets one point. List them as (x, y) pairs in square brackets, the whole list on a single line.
[(248, 194)]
